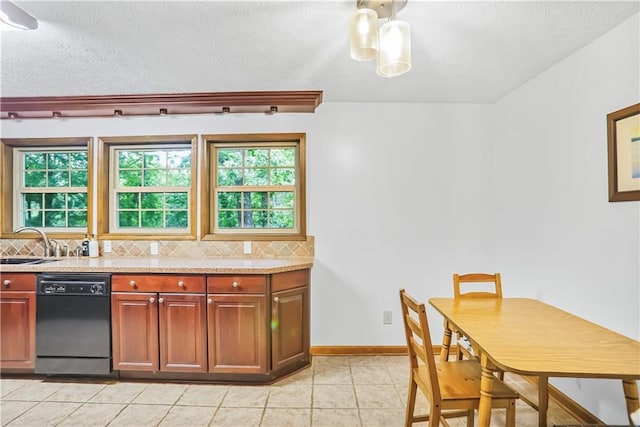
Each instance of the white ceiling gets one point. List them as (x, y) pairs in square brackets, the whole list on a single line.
[(468, 51)]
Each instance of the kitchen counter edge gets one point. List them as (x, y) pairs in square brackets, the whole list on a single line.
[(166, 265)]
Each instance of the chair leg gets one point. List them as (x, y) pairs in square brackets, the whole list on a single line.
[(411, 402), (434, 415), (470, 416), (511, 414)]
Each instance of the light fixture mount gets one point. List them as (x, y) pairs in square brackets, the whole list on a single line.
[(382, 7), (16, 17)]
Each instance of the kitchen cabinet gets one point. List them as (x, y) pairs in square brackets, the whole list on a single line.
[(289, 319), (17, 321), (158, 323), (237, 324)]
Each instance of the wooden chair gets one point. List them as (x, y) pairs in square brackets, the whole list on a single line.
[(463, 345), (452, 386)]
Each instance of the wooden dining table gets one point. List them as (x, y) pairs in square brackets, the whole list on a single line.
[(528, 337)]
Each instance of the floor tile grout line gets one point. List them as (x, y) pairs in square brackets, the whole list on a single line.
[(172, 405)]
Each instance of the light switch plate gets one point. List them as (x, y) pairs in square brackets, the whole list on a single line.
[(247, 248), (386, 317), (153, 248), (106, 246)]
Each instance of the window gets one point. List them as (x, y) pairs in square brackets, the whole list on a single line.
[(151, 184), (256, 187), (48, 185), (51, 190)]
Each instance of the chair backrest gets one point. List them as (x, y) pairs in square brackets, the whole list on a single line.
[(477, 278), (416, 330)]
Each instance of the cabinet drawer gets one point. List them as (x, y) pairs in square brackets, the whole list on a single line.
[(157, 283), (256, 284), (289, 280), (17, 282)]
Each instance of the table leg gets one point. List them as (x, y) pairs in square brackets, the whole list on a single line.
[(630, 388), (543, 400), (486, 392), (446, 342)]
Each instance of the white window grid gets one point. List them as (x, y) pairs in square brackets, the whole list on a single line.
[(117, 189), (242, 189), (20, 189)]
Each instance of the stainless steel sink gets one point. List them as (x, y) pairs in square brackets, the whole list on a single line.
[(26, 260)]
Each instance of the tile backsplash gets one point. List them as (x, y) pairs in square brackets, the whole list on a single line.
[(172, 248)]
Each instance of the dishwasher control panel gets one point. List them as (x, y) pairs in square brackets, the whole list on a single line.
[(78, 285), (72, 288)]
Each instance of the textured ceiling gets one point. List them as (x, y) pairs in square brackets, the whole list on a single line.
[(462, 51)]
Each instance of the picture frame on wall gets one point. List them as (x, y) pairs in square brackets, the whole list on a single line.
[(623, 132)]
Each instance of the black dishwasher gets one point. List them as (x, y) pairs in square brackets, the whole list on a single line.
[(73, 326)]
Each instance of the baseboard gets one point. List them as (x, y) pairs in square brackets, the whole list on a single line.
[(556, 395), (569, 405), (335, 350)]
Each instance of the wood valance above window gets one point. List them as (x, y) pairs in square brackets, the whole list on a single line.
[(268, 102)]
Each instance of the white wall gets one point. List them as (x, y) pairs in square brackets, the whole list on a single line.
[(398, 198), (557, 238)]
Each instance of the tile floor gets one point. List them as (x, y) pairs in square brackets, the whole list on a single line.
[(336, 391)]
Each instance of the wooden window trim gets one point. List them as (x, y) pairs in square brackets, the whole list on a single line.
[(208, 171), (104, 185), (7, 146)]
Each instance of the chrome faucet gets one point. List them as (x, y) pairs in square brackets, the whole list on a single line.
[(45, 240)]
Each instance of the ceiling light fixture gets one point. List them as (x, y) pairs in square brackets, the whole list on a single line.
[(390, 45), (15, 17)]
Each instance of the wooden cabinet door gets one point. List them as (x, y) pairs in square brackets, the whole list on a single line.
[(134, 324), (17, 329), (183, 336), (290, 327), (237, 329)]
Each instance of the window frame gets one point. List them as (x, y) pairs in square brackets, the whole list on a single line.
[(106, 185), (8, 171), (209, 182)]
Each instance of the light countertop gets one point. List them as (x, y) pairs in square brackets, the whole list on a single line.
[(164, 265)]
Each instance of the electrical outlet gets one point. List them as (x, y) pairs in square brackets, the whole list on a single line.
[(247, 248), (106, 246), (153, 248), (386, 317)]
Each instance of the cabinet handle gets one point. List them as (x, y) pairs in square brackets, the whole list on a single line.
[(181, 283), (152, 300), (132, 283), (276, 299), (209, 301), (6, 282), (160, 300), (235, 284)]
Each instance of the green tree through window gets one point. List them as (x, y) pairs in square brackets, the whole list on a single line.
[(255, 187), (152, 191), (52, 192)]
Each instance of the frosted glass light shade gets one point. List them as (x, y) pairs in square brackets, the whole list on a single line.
[(378, 70), (363, 34), (395, 49)]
